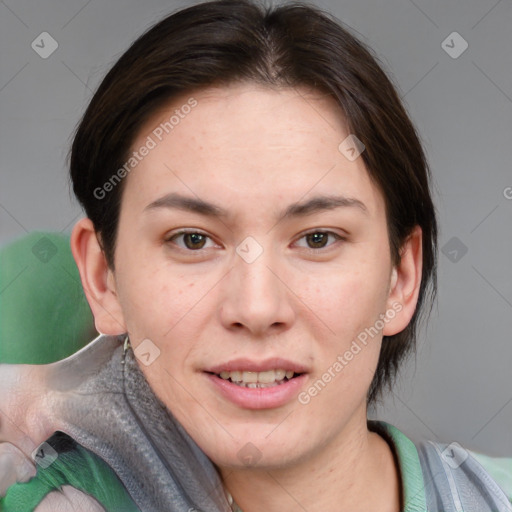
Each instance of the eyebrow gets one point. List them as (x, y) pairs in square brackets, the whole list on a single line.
[(299, 209)]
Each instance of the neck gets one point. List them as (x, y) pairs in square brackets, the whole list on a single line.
[(356, 471)]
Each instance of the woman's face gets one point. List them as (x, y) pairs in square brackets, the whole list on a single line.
[(287, 270)]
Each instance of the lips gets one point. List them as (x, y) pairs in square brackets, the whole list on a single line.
[(258, 384)]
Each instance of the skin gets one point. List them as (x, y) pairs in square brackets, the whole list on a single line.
[(254, 151)]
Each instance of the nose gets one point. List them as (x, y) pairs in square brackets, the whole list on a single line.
[(257, 297)]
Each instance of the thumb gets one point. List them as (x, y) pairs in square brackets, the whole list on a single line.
[(15, 466)]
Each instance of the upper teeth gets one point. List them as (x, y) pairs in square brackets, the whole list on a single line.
[(254, 377)]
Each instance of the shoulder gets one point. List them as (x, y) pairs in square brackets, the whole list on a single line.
[(442, 477), (456, 480), (500, 469)]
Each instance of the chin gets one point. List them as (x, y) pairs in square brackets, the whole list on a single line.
[(256, 451)]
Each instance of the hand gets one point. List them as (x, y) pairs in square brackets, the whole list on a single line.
[(15, 466)]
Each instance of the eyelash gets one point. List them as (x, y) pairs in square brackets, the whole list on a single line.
[(337, 237)]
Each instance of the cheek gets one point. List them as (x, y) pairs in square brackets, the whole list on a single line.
[(348, 298), (350, 304), (152, 298), (170, 309)]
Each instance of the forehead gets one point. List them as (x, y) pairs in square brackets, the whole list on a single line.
[(247, 140)]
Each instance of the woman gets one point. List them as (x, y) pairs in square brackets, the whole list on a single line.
[(260, 243)]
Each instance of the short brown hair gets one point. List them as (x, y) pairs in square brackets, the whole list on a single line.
[(294, 44)]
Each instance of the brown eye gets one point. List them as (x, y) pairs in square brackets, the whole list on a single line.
[(192, 240), (317, 240)]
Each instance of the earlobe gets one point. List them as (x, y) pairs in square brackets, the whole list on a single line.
[(405, 281), (97, 279)]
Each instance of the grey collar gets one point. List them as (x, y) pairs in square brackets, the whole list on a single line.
[(115, 414)]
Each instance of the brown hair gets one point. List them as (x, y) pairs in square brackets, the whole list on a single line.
[(294, 44)]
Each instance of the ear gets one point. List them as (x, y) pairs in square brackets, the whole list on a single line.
[(98, 280), (405, 283)]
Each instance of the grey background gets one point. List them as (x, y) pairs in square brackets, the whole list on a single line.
[(459, 387)]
